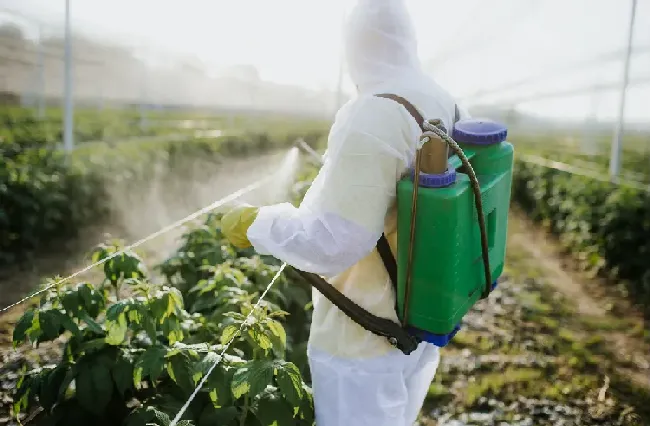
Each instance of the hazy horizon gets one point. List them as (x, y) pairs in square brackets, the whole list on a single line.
[(467, 46)]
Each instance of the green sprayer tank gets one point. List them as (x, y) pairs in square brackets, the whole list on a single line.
[(447, 270)]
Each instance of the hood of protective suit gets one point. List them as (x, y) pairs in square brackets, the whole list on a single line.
[(380, 44)]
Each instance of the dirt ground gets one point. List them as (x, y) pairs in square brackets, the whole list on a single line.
[(549, 347)]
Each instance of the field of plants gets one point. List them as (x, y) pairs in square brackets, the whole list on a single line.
[(589, 151), (46, 198), (606, 227), (128, 343), (93, 125)]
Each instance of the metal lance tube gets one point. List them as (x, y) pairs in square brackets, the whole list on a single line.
[(434, 154)]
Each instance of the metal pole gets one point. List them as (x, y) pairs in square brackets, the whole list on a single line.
[(339, 84), (339, 87), (617, 142), (68, 123)]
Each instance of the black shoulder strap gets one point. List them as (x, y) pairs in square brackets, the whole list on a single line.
[(413, 111), (406, 104), (387, 257), (382, 245)]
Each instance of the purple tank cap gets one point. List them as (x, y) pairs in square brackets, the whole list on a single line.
[(436, 180), (479, 132)]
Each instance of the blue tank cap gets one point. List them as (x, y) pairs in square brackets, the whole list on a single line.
[(436, 180), (479, 132)]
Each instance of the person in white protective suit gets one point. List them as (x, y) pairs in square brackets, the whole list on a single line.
[(359, 379)]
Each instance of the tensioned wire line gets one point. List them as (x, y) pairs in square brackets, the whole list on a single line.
[(220, 357), (219, 203)]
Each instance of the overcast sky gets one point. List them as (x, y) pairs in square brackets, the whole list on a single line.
[(468, 45)]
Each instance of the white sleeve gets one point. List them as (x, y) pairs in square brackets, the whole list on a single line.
[(342, 215)]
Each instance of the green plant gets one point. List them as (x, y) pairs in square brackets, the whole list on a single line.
[(605, 226), (46, 198), (42, 198), (215, 278), (133, 354)]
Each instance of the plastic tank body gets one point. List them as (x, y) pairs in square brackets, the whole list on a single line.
[(447, 276)]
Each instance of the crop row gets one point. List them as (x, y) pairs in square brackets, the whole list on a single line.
[(573, 149), (46, 198), (605, 226), (135, 347)]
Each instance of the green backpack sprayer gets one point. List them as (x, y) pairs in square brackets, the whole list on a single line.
[(452, 211)]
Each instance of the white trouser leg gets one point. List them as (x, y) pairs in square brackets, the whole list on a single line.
[(419, 381), (383, 391)]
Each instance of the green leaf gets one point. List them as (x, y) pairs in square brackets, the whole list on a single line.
[(50, 325), (51, 385), (218, 416), (172, 330), (289, 381), (150, 364), (94, 386), (229, 333), (307, 405), (65, 390), (93, 345), (260, 338), (22, 326), (252, 378), (175, 299), (26, 387), (92, 324), (67, 323), (113, 313), (201, 368), (161, 418), (145, 416), (150, 327), (92, 300), (71, 302), (116, 330), (218, 385), (271, 410), (180, 370), (122, 373), (138, 418), (277, 330)]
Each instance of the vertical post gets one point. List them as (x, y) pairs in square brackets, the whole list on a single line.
[(339, 86), (68, 122), (339, 83), (615, 159)]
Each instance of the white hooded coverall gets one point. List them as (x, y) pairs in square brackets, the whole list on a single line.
[(358, 378)]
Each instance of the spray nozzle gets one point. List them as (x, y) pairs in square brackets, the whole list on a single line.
[(300, 143)]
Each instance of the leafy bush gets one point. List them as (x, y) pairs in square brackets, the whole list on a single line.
[(41, 198), (46, 198), (606, 226), (136, 349)]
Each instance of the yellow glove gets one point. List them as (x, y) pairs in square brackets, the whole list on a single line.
[(235, 224)]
